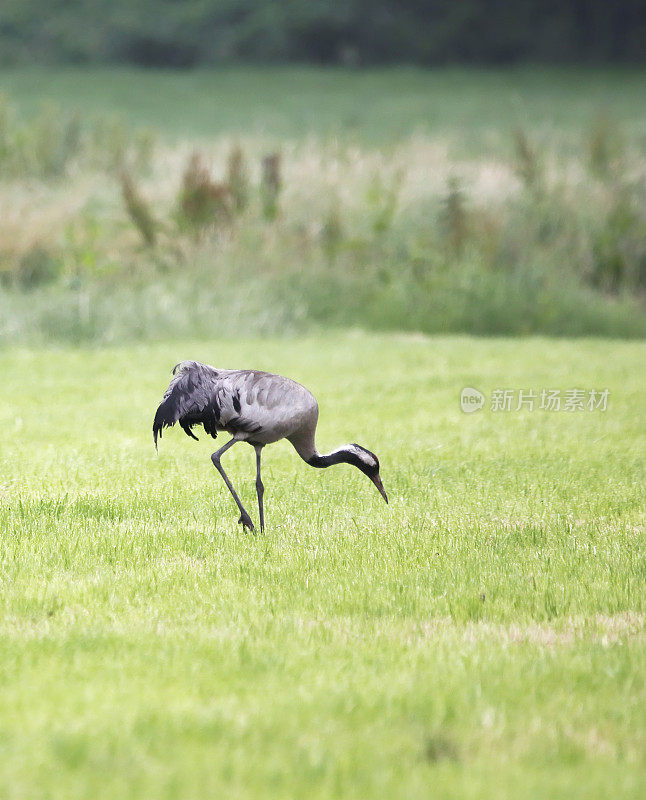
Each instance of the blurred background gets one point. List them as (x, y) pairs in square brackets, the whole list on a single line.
[(173, 169), (188, 33)]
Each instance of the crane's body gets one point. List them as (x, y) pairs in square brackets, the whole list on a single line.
[(256, 407)]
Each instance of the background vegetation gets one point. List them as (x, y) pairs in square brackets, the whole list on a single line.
[(410, 211), (186, 34)]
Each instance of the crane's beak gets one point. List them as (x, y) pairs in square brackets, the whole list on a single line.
[(377, 482)]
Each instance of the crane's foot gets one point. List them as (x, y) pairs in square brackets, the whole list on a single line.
[(245, 521)]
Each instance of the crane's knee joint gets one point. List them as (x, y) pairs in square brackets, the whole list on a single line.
[(215, 458), (260, 486)]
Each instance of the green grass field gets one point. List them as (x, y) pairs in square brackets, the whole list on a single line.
[(475, 109), (481, 636)]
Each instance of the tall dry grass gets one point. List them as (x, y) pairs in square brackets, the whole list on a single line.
[(331, 233)]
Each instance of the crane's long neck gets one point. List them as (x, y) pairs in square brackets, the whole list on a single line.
[(341, 455), (306, 449)]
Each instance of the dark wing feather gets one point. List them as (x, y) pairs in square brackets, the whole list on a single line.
[(217, 399), (191, 399)]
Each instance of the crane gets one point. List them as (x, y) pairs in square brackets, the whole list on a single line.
[(255, 407)]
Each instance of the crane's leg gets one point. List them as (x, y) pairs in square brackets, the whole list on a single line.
[(245, 519), (260, 489)]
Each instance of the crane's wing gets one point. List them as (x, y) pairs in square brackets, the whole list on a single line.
[(191, 398), (201, 395)]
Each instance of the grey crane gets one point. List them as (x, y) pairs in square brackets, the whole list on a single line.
[(254, 407)]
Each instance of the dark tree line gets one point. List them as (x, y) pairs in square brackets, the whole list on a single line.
[(185, 33)]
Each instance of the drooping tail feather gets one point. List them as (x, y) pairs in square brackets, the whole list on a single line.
[(173, 405), (165, 417), (189, 399)]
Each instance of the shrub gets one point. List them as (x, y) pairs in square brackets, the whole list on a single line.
[(604, 146), (357, 245), (202, 202), (47, 145), (453, 218), (332, 232), (527, 165), (382, 199), (138, 209), (38, 266), (619, 244), (270, 185), (238, 179)]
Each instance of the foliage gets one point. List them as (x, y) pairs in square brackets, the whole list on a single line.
[(605, 146), (138, 209), (270, 185), (332, 232), (171, 34), (37, 266), (619, 245), (522, 235), (237, 178), (382, 200), (54, 141), (454, 218), (202, 202), (528, 167)]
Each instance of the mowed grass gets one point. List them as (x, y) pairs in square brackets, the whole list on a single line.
[(472, 109), (481, 636)]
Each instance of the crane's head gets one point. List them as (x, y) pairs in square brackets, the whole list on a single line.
[(368, 463)]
